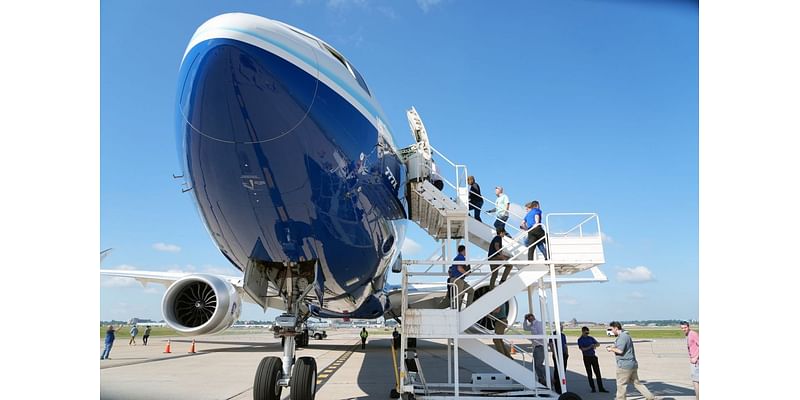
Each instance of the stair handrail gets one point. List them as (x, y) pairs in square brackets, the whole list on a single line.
[(496, 320), (457, 186), (578, 226), (481, 262)]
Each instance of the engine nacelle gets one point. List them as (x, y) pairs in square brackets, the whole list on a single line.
[(201, 304)]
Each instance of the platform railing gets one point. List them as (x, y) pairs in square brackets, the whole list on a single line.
[(453, 303)]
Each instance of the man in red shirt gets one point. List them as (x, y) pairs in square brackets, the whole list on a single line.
[(693, 344)]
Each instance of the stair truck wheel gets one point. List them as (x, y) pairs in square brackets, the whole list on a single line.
[(265, 386), (569, 396), (304, 379)]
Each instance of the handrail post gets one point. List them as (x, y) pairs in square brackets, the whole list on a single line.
[(557, 317), (403, 329)]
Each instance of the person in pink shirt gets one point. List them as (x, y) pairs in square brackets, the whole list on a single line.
[(693, 344)]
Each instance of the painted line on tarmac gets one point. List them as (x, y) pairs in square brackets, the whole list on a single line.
[(327, 373)]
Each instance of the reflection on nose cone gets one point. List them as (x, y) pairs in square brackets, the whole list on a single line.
[(238, 93)]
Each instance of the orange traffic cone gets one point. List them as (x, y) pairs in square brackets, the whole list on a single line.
[(168, 348), (191, 350)]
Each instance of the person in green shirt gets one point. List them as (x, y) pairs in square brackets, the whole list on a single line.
[(627, 367)]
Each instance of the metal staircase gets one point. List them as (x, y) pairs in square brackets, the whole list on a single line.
[(443, 214)]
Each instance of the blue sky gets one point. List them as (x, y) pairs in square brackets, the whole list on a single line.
[(586, 106)]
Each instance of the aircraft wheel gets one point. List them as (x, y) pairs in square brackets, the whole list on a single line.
[(265, 386), (304, 379), (569, 396), (301, 340), (318, 336)]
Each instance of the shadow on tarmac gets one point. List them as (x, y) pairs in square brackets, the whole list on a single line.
[(376, 377)]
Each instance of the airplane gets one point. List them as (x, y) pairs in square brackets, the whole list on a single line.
[(298, 180)]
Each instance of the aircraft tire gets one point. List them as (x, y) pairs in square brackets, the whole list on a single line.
[(304, 379), (265, 386), (318, 336), (569, 396), (301, 340)]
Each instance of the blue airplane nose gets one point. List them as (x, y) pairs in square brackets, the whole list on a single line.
[(237, 93)]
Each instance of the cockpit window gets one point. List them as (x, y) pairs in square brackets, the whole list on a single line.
[(360, 79), (336, 55), (313, 39), (349, 68)]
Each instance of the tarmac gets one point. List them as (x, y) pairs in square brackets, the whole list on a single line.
[(224, 366)]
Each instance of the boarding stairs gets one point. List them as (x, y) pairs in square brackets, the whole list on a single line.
[(443, 214)]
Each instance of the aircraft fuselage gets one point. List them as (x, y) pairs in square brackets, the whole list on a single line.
[(290, 162)]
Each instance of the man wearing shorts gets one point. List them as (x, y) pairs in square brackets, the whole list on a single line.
[(693, 345)]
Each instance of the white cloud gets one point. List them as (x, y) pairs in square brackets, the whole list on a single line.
[(636, 296), (171, 248), (426, 5), (186, 269), (606, 239), (342, 3), (635, 275), (568, 300), (410, 247), (387, 11), (116, 281), (213, 269)]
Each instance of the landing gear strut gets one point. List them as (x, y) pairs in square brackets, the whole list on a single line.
[(275, 373)]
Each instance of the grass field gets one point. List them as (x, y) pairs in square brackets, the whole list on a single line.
[(636, 333), (125, 332)]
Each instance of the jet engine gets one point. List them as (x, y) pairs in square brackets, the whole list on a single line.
[(201, 304)]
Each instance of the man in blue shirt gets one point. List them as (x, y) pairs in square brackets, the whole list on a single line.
[(533, 219), (551, 345), (109, 342), (456, 271), (627, 367), (587, 344)]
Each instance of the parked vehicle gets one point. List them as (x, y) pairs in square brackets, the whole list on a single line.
[(317, 334)]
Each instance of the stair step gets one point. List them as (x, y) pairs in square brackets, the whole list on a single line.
[(500, 362)]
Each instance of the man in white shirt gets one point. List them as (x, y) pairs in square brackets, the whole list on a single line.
[(535, 327), (502, 208)]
